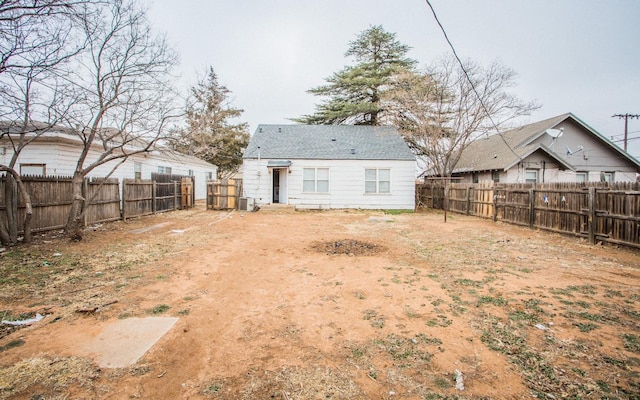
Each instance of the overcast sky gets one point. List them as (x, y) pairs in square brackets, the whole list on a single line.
[(579, 56)]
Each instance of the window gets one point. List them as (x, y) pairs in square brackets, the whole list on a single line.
[(531, 176), (190, 172), (209, 175), (164, 170), (495, 176), (377, 180), (606, 177), (315, 180), (582, 177), (137, 170), (33, 169), (474, 177)]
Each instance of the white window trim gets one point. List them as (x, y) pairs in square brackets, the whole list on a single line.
[(377, 192), (526, 180), (582, 173), (315, 180)]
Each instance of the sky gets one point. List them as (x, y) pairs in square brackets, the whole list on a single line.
[(579, 56)]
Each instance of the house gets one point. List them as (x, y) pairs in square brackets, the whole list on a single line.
[(329, 166), (558, 149), (55, 153)]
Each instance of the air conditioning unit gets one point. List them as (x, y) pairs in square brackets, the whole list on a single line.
[(247, 204)]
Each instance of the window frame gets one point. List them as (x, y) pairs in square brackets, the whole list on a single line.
[(137, 170), (378, 181), (316, 180), (531, 170), (584, 174), (34, 165)]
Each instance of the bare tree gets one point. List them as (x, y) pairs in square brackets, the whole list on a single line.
[(125, 97), (440, 111), (37, 41)]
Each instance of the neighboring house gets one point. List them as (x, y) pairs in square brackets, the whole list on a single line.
[(329, 166), (55, 153), (558, 149)]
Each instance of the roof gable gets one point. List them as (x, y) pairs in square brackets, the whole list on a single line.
[(328, 142), (503, 151)]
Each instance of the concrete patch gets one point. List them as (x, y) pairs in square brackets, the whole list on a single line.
[(122, 343)]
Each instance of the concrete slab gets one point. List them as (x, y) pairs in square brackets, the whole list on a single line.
[(122, 343)]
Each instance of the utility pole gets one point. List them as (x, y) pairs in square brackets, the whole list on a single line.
[(626, 120)]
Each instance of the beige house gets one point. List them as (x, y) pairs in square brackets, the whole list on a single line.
[(558, 149)]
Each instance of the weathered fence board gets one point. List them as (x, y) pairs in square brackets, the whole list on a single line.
[(103, 197), (601, 211), (137, 197), (224, 194), (51, 199)]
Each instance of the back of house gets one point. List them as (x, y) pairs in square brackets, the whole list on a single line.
[(329, 167)]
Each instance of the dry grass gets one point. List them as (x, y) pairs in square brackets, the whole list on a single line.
[(290, 383), (54, 375)]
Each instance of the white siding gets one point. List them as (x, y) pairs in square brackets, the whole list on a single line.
[(61, 159), (346, 184)]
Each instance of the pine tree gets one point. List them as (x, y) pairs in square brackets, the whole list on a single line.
[(354, 93), (209, 134)]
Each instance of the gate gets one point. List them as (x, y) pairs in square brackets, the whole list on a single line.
[(224, 194)]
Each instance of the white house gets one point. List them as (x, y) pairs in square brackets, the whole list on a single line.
[(55, 153), (329, 166)]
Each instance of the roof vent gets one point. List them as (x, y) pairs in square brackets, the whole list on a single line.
[(333, 139), (353, 150), (279, 130)]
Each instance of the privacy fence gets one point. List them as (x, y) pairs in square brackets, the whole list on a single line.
[(224, 194), (105, 199), (598, 211)]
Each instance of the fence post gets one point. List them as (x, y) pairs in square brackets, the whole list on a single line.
[(532, 208), (591, 218), (432, 196), (175, 195), (124, 200), (468, 201), (85, 196), (153, 197), (495, 204), (445, 202)]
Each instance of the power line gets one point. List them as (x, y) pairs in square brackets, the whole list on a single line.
[(626, 122), (466, 74)]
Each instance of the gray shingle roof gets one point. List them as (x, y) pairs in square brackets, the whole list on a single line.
[(328, 142), (495, 152)]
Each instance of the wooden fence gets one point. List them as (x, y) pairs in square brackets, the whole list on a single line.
[(51, 199), (597, 211), (144, 197), (224, 194)]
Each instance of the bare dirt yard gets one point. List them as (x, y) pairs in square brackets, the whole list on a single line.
[(324, 305)]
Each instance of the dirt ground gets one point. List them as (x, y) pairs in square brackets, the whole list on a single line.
[(325, 305)]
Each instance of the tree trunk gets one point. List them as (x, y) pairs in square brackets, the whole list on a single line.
[(12, 209), (73, 228), (28, 212), (9, 231)]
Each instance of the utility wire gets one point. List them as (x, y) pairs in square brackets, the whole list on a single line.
[(466, 74)]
